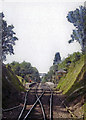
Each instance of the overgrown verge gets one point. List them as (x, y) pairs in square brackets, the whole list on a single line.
[(74, 84), (11, 87), (73, 77)]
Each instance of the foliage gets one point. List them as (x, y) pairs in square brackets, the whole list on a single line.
[(20, 79), (25, 70), (78, 19), (72, 58), (74, 83), (65, 64), (44, 79), (48, 76), (8, 38), (71, 81), (54, 68), (11, 86), (57, 58)]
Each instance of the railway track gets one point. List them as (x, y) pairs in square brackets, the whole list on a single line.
[(41, 103), (39, 93)]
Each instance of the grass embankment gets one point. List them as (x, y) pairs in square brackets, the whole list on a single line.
[(11, 86), (73, 77), (15, 80), (74, 83)]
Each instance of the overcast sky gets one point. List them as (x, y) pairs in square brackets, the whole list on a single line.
[(42, 29)]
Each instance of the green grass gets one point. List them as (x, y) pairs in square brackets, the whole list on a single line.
[(15, 81), (12, 78), (11, 86), (20, 78), (71, 58), (74, 71), (74, 83)]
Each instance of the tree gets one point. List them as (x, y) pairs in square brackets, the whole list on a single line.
[(57, 58), (54, 68), (78, 19), (15, 67), (25, 70), (8, 38)]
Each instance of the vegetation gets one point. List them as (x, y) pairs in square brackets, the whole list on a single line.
[(78, 19), (57, 58), (72, 58), (11, 86), (50, 76), (14, 75), (64, 64), (73, 84), (73, 77), (25, 70), (8, 38)]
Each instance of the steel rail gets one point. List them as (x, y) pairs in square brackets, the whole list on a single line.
[(38, 100), (51, 105), (25, 101), (33, 106), (51, 97), (8, 109), (44, 116), (12, 108), (23, 107)]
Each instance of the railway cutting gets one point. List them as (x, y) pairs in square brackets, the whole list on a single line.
[(40, 103)]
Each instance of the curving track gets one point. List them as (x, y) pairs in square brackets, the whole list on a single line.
[(40, 103), (39, 93)]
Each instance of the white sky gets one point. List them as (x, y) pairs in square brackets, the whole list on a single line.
[(42, 29)]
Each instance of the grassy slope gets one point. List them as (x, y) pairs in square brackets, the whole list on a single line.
[(74, 83), (71, 81), (11, 85), (20, 78)]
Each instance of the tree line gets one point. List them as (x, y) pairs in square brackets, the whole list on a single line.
[(76, 17), (25, 70)]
